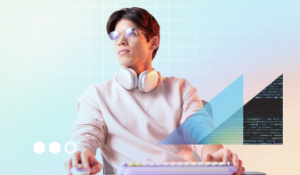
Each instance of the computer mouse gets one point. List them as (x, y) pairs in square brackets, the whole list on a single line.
[(80, 170)]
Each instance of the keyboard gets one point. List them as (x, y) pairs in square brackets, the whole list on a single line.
[(177, 168)]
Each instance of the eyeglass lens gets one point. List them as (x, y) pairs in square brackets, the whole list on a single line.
[(129, 34)]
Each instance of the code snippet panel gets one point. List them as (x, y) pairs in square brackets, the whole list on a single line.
[(263, 116)]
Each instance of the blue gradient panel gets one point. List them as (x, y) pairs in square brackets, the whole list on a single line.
[(224, 127)]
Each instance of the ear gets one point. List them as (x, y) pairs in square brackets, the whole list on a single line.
[(154, 43)]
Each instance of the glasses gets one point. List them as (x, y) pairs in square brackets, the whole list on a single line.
[(130, 33)]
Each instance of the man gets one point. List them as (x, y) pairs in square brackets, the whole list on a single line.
[(128, 122)]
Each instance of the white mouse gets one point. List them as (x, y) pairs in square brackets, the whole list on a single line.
[(80, 170)]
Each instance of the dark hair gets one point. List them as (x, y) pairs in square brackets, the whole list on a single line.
[(140, 17)]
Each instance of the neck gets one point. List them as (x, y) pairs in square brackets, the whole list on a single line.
[(141, 68)]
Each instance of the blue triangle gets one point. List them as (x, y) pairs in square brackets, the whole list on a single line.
[(224, 127), (229, 132)]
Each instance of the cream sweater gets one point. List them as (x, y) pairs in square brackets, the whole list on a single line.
[(128, 124)]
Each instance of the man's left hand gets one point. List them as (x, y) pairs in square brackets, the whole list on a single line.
[(225, 155)]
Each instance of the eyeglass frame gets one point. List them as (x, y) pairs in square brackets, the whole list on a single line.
[(123, 32)]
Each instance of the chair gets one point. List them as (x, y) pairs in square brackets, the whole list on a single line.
[(108, 169)]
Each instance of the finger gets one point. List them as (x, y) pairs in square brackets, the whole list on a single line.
[(241, 169), (235, 160), (65, 166), (84, 158), (227, 156), (68, 166), (75, 158), (208, 158), (97, 168)]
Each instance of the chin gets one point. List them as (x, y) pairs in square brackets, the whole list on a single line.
[(125, 61)]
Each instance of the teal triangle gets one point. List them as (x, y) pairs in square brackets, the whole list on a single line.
[(230, 132), (226, 122)]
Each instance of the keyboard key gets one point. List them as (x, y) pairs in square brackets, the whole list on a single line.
[(207, 163), (193, 163), (222, 164), (158, 164), (166, 164), (172, 163), (200, 163), (150, 164), (179, 163), (187, 163), (215, 163)]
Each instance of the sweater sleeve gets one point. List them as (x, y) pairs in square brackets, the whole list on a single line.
[(89, 129), (196, 123)]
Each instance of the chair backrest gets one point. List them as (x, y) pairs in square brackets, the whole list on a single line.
[(108, 169)]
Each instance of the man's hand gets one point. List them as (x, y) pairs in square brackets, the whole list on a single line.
[(225, 155), (87, 158)]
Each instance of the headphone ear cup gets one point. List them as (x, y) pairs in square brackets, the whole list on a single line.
[(142, 80), (148, 80), (134, 77), (127, 78)]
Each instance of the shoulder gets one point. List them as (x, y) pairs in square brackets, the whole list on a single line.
[(96, 89), (183, 86), (177, 82)]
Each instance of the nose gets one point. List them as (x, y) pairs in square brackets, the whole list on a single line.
[(122, 40)]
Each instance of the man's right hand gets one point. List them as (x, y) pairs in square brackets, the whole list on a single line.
[(87, 158)]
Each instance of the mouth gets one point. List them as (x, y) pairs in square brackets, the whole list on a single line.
[(122, 52)]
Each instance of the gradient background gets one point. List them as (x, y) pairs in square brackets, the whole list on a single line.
[(52, 50)]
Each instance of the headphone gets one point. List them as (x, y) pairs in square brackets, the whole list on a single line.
[(146, 81)]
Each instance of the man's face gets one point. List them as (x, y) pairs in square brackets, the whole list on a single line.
[(137, 49)]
